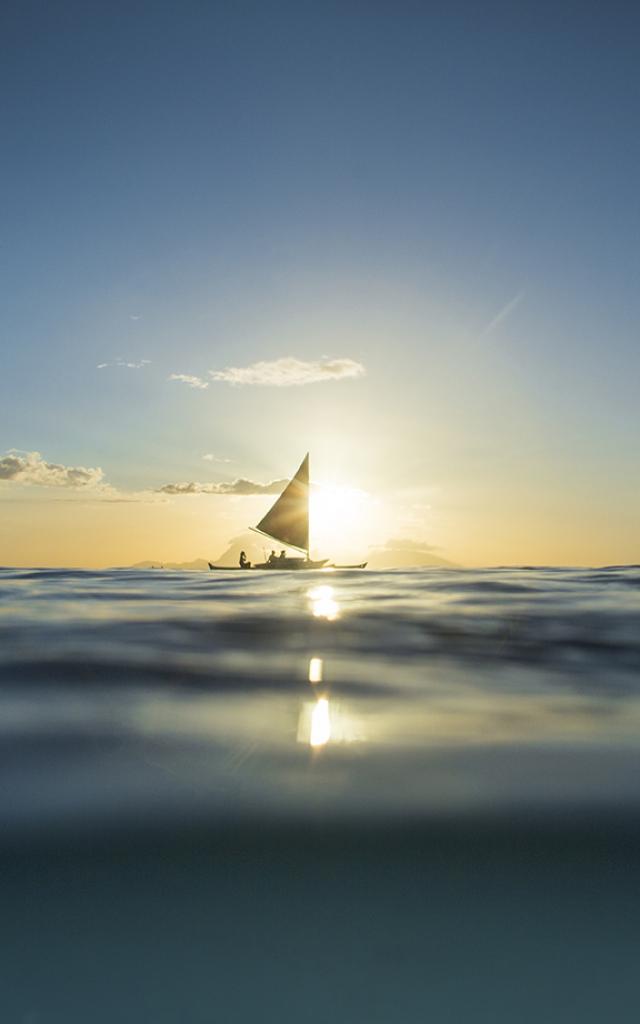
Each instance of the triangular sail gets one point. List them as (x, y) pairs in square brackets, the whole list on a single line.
[(287, 521)]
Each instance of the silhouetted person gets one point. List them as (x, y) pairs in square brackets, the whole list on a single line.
[(272, 558), (244, 564), (282, 555)]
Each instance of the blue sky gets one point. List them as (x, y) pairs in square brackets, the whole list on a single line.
[(446, 194)]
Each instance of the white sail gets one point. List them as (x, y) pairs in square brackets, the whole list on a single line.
[(287, 521)]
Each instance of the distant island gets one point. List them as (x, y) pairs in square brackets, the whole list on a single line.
[(397, 553), (157, 563)]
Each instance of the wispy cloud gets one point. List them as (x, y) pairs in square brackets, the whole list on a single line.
[(241, 487), (209, 457), (31, 468), (189, 379), (501, 315), (133, 364), (107, 495), (289, 372)]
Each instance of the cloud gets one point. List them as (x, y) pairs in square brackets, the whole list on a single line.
[(215, 458), (290, 372), (107, 495), (129, 365), (186, 378), (241, 487), (30, 468)]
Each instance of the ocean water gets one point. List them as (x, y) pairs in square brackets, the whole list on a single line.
[(402, 795)]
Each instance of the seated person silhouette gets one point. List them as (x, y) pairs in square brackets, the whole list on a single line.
[(282, 555), (272, 557), (244, 564)]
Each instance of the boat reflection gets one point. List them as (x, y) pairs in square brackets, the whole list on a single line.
[(323, 603)]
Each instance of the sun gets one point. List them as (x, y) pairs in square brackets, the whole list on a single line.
[(340, 518)]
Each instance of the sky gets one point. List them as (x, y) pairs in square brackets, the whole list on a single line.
[(400, 236)]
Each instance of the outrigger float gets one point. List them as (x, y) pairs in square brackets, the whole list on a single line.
[(287, 522)]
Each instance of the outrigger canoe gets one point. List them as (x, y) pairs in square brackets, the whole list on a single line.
[(287, 522), (287, 563)]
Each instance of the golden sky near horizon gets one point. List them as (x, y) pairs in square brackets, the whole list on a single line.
[(472, 527)]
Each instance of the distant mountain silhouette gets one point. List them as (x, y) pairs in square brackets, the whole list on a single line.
[(245, 542), (253, 549), (404, 553), (395, 554)]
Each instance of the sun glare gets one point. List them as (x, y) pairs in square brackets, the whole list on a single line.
[(340, 518)]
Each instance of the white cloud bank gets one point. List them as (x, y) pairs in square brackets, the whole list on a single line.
[(290, 372), (187, 378), (241, 487), (18, 467), (30, 468)]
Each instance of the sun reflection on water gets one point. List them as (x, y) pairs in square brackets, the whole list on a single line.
[(315, 670), (320, 732), (323, 721), (323, 603)]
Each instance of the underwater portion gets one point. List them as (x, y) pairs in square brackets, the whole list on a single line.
[(407, 795)]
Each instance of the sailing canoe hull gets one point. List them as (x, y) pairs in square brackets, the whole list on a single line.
[(301, 563), (292, 563), (280, 565)]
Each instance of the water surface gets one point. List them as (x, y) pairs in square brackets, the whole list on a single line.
[(138, 696)]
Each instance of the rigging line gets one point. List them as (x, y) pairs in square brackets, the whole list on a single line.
[(278, 540)]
